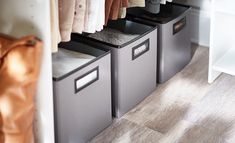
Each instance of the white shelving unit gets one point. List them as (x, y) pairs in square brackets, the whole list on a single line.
[(32, 17), (222, 42), (226, 63)]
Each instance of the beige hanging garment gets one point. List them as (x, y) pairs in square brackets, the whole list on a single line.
[(79, 17), (19, 69), (66, 18), (122, 12), (55, 31), (136, 3)]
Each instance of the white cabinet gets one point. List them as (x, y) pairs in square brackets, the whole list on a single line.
[(222, 39), (32, 17)]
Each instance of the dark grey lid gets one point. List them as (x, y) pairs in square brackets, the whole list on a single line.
[(167, 13), (65, 61), (73, 56), (121, 32)]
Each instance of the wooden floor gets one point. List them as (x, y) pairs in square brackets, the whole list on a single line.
[(186, 109)]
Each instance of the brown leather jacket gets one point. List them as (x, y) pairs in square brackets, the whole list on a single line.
[(19, 70)]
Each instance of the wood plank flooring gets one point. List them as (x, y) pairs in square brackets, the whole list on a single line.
[(185, 109)]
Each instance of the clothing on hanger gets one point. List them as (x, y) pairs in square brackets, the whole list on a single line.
[(101, 16), (108, 5), (71, 17), (89, 16), (79, 16), (55, 32), (122, 12), (19, 70), (136, 3), (152, 6), (164, 1), (92, 19), (125, 3), (66, 18), (115, 9)]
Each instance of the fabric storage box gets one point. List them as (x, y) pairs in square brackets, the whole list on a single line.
[(82, 91), (133, 47), (174, 45)]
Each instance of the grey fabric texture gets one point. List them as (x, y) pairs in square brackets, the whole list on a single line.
[(64, 61), (152, 6), (113, 36)]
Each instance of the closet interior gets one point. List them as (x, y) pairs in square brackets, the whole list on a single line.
[(102, 58)]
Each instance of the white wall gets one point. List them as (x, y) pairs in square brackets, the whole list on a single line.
[(200, 20), (32, 17)]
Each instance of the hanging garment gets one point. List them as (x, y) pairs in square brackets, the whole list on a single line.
[(93, 20), (136, 3), (164, 1), (108, 5), (101, 16), (66, 17), (55, 32), (122, 12), (115, 9), (125, 3), (71, 17), (19, 69), (152, 6), (79, 16), (130, 3)]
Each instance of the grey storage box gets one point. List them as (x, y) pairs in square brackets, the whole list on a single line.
[(133, 47), (174, 45), (82, 91)]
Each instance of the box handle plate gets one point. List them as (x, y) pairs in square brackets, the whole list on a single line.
[(140, 49), (86, 79)]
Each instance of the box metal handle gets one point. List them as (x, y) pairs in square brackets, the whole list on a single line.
[(140, 49), (86, 79), (178, 26)]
